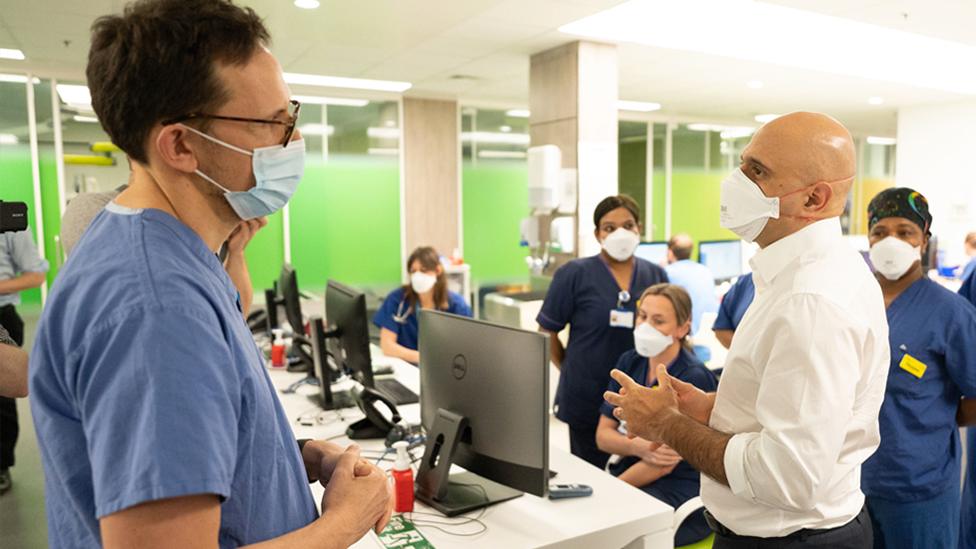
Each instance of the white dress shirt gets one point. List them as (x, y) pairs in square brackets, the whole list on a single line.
[(801, 390)]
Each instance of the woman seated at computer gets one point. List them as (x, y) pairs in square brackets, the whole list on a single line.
[(397, 318), (662, 325)]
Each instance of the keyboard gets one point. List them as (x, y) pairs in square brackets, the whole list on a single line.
[(396, 391)]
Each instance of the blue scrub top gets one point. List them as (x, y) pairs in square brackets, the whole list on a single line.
[(735, 303), (919, 454), (686, 367), (699, 281), (582, 294), (968, 288), (395, 306), (968, 269), (146, 384)]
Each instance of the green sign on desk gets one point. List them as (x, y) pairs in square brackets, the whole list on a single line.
[(400, 533)]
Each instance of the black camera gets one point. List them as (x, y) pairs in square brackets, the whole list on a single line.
[(13, 216)]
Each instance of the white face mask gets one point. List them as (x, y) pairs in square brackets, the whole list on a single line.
[(620, 244), (422, 282), (892, 257), (745, 209), (649, 342)]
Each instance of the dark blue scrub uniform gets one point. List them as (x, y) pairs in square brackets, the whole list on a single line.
[(735, 303), (399, 317), (912, 481), (967, 533), (582, 294), (684, 482)]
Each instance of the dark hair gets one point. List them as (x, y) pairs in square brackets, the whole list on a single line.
[(679, 299), (429, 260), (156, 61), (681, 246), (611, 203)]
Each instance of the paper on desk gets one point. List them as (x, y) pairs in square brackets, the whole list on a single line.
[(400, 533)]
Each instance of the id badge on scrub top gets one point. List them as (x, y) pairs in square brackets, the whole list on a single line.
[(620, 317)]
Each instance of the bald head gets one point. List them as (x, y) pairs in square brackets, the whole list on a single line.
[(681, 245)]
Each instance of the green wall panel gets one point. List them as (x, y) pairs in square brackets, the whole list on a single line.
[(265, 253), (632, 173), (17, 185), (695, 207), (495, 198)]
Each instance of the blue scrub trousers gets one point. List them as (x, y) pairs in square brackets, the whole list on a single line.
[(924, 524)]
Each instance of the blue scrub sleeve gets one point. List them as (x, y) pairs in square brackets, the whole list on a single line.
[(458, 306), (160, 404), (384, 316), (558, 306), (961, 350), (613, 386), (968, 289), (726, 310)]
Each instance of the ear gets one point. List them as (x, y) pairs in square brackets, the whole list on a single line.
[(925, 244), (683, 330), (440, 269), (819, 198), (173, 149), (596, 234)]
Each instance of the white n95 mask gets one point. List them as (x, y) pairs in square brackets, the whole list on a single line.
[(648, 341), (621, 244), (422, 282), (277, 172), (892, 257), (745, 209)]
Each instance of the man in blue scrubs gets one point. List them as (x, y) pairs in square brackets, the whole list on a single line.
[(733, 308), (157, 421), (597, 297), (967, 418), (912, 481), (697, 279)]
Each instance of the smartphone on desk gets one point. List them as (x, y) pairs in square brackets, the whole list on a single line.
[(564, 491)]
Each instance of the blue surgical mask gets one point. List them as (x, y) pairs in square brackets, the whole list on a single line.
[(277, 171)]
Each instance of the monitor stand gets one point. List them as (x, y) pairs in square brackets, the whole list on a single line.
[(459, 493), (338, 400)]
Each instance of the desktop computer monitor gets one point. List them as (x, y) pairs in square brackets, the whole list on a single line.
[(722, 257), (655, 252), (485, 406), (288, 287)]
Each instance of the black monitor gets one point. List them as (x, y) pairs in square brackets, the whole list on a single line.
[(722, 257), (288, 287), (655, 252), (485, 406)]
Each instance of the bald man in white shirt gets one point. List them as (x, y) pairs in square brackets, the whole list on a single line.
[(781, 443)]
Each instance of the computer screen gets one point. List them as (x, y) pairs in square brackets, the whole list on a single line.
[(497, 379), (655, 252), (722, 257), (345, 312), (288, 288)]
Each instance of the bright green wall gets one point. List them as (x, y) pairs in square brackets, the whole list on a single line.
[(18, 186), (659, 206), (495, 198), (695, 205), (265, 253), (345, 223), (631, 173)]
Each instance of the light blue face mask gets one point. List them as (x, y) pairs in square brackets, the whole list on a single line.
[(277, 171)]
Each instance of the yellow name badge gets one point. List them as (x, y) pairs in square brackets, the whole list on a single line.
[(913, 365)]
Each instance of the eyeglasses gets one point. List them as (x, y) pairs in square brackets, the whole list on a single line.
[(289, 125)]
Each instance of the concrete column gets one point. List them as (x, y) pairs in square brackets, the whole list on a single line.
[(431, 180), (934, 156), (573, 104)]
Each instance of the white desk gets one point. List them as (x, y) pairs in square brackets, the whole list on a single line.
[(616, 515)]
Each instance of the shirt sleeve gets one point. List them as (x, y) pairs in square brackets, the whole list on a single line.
[(804, 407), (961, 349), (459, 306), (24, 255), (560, 300), (384, 316), (726, 310), (968, 288), (160, 402)]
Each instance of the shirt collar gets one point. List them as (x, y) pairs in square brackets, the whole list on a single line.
[(770, 261)]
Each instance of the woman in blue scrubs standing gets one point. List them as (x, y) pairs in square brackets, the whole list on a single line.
[(912, 481), (397, 318), (596, 296)]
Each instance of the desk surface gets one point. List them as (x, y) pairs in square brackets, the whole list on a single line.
[(616, 515)]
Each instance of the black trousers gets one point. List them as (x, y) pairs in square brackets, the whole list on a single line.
[(9, 428), (856, 534), (582, 444)]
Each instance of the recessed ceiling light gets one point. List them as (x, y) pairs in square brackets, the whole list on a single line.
[(496, 138), (763, 118), (10, 53), (88, 119), (8, 139), (501, 154), (316, 129), (75, 95), (383, 133), (791, 37), (874, 140), (518, 113), (638, 106), (755, 84), (505, 129), (343, 82), (390, 123), (875, 101), (307, 4), (17, 78), (343, 101)]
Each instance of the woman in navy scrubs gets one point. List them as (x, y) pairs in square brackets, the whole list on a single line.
[(397, 318), (663, 323), (596, 296), (912, 481)]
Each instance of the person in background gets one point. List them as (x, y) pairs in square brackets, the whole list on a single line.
[(596, 296), (914, 502), (13, 367), (661, 337), (83, 208), (970, 247), (397, 317), (733, 308), (21, 268), (697, 279), (967, 418)]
